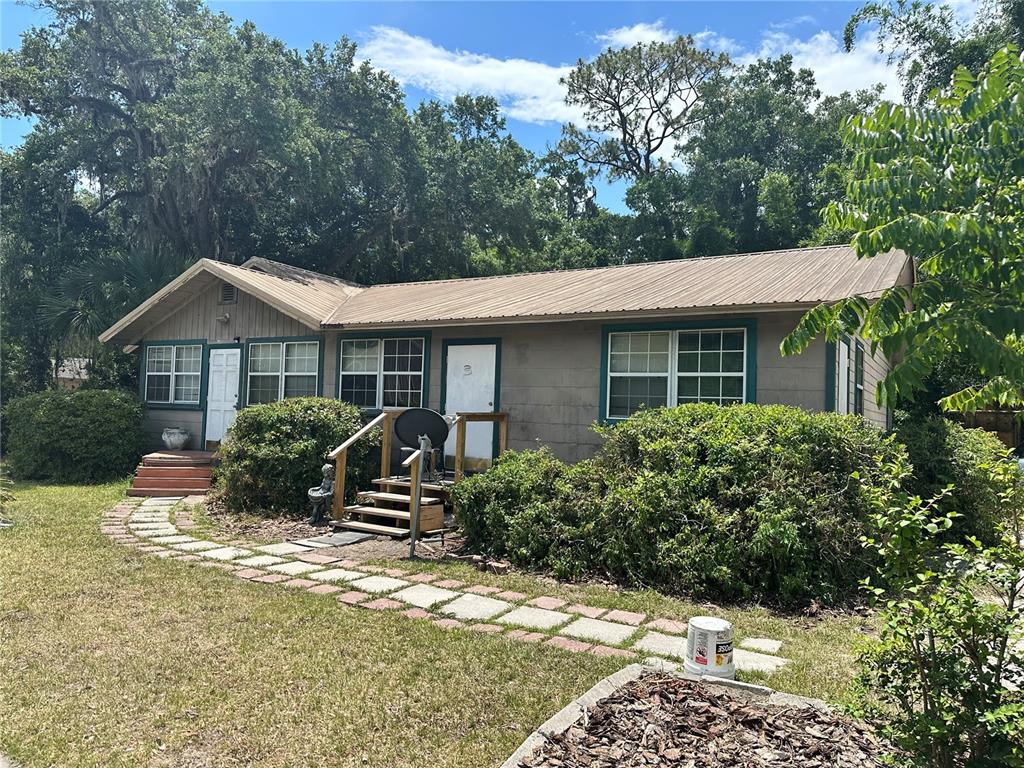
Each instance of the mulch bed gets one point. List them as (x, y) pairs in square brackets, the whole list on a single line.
[(665, 721)]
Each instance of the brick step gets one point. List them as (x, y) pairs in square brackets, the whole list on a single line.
[(162, 491), (178, 459), (380, 530), (174, 472), (171, 482), (397, 498)]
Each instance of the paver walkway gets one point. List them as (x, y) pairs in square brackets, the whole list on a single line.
[(160, 526)]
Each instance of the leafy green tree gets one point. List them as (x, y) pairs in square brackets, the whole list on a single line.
[(927, 42), (946, 185), (637, 102)]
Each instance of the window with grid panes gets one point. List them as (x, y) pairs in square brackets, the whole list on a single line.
[(282, 369), (174, 373), (382, 373)]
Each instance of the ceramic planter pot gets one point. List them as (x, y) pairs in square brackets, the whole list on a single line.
[(174, 438)]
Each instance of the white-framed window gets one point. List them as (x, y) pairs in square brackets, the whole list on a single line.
[(657, 368), (174, 373), (850, 376), (280, 369), (382, 373)]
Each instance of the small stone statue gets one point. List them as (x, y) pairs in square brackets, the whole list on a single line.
[(321, 496)]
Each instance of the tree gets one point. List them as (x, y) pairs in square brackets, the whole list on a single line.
[(927, 43), (637, 103), (946, 185)]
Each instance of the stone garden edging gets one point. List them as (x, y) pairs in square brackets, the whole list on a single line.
[(572, 712)]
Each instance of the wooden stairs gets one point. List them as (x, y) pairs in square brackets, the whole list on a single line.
[(173, 473), (387, 510)]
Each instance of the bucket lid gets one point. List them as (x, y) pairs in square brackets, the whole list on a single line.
[(710, 623)]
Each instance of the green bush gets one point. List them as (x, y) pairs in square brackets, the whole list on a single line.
[(944, 453), (739, 502), (273, 454), (74, 437)]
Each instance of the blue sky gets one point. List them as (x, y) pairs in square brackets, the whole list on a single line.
[(517, 51)]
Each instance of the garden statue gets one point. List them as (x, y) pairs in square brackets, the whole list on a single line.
[(321, 496)]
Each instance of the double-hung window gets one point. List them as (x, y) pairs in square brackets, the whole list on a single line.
[(382, 373), (858, 378), (657, 368), (280, 369), (174, 373)]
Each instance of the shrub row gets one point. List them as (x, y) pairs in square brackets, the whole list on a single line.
[(73, 437), (745, 502)]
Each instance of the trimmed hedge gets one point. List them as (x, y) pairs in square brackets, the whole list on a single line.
[(74, 437), (943, 453), (273, 454), (744, 502)]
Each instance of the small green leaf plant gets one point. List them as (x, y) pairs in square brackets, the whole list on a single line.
[(942, 679)]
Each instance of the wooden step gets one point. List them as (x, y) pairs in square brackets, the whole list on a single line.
[(174, 472), (397, 498), (171, 482), (178, 459), (380, 530), (402, 482)]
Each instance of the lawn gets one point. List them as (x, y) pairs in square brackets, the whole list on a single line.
[(112, 658)]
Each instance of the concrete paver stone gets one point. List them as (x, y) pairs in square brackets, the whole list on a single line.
[(379, 584), (475, 607), (260, 561), (294, 568), (762, 644), (226, 553), (662, 644), (604, 632), (196, 546), (424, 595), (176, 539), (751, 661), (336, 574), (535, 618), (285, 548)]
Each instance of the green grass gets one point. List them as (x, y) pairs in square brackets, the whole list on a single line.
[(111, 658)]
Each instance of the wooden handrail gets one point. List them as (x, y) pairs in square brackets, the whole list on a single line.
[(352, 440), (461, 419)]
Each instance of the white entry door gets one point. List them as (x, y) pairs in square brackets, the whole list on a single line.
[(471, 386), (222, 392)]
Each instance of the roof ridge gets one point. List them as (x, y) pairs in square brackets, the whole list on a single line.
[(607, 267), (257, 260)]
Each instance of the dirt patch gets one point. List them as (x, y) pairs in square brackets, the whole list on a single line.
[(663, 720), (386, 548)]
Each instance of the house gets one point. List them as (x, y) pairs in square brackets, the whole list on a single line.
[(555, 350)]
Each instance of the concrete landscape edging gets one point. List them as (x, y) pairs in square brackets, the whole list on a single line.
[(576, 710)]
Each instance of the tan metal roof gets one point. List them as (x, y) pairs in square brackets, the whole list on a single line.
[(308, 297), (795, 278), (790, 278)]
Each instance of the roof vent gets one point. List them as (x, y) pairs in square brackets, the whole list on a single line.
[(228, 293)]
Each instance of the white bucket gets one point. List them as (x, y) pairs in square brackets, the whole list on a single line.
[(709, 647)]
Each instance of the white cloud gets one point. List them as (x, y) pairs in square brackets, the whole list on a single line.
[(527, 90), (642, 32), (796, 21), (530, 91), (834, 69)]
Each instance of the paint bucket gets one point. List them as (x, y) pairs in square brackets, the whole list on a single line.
[(709, 647)]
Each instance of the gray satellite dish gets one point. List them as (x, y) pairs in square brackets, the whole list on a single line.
[(412, 423)]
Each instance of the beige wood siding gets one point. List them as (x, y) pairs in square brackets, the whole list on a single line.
[(248, 318)]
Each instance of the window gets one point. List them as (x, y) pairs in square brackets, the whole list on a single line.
[(283, 369), (850, 376), (382, 373), (658, 368), (174, 373)]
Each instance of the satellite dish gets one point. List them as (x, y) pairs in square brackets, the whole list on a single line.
[(413, 422)]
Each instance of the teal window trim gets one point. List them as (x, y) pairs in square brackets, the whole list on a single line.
[(321, 343), (156, 405), (464, 342), (831, 374), (427, 337), (748, 324)]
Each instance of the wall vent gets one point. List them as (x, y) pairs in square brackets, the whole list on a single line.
[(228, 293)]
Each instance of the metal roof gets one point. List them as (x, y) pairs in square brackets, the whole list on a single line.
[(796, 277)]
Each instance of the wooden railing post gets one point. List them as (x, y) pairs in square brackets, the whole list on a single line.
[(340, 462), (460, 448), (385, 445), (503, 434)]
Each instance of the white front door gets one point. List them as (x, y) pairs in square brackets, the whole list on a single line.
[(471, 381), (222, 392), (843, 377)]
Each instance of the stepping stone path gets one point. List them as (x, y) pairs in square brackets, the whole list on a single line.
[(153, 527)]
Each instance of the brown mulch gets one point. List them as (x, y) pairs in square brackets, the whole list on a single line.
[(665, 721)]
